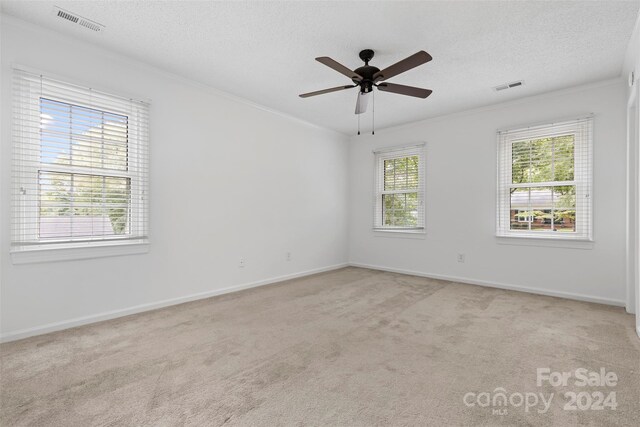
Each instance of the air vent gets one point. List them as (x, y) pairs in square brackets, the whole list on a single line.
[(69, 17), (508, 85), (90, 25), (77, 19)]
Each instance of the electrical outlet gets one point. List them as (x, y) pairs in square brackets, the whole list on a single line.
[(460, 257), (241, 263), (288, 254)]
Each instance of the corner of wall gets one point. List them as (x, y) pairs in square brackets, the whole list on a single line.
[(632, 57)]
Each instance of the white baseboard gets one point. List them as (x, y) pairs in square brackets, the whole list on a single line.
[(547, 292), (79, 321)]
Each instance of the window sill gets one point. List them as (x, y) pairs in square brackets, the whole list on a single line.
[(30, 256), (542, 241), (403, 234)]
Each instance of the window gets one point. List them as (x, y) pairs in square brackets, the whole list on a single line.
[(524, 216), (544, 181), (80, 166), (399, 203)]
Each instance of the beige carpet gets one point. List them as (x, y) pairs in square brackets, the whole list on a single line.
[(352, 347)]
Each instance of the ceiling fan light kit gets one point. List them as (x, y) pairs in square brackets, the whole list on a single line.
[(367, 77)]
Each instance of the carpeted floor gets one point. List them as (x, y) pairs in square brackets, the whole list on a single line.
[(351, 347)]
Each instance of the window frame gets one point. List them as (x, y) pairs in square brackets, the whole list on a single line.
[(26, 244), (582, 129), (380, 156)]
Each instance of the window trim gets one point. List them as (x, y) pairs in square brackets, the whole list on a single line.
[(107, 248), (582, 128), (382, 154), (27, 250)]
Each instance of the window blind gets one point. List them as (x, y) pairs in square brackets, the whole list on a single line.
[(545, 181), (80, 165), (399, 189)]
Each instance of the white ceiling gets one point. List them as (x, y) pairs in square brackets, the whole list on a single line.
[(264, 51)]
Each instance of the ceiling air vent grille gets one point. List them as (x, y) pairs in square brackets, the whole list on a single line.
[(64, 15), (90, 25), (77, 19), (508, 85)]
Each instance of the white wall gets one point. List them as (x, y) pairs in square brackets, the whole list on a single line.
[(632, 64), (461, 200), (228, 180)]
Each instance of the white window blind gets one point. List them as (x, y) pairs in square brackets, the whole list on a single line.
[(399, 189), (545, 181), (80, 166)]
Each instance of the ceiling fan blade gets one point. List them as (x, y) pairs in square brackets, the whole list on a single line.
[(362, 102), (338, 67), (320, 92), (418, 92), (406, 64)]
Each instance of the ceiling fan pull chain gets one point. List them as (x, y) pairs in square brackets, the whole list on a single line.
[(358, 124), (373, 112)]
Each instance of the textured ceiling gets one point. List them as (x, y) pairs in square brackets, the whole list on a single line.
[(264, 51)]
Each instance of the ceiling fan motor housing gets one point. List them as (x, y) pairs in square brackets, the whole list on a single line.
[(367, 71)]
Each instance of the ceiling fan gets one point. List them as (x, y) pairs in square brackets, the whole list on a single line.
[(367, 77)]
